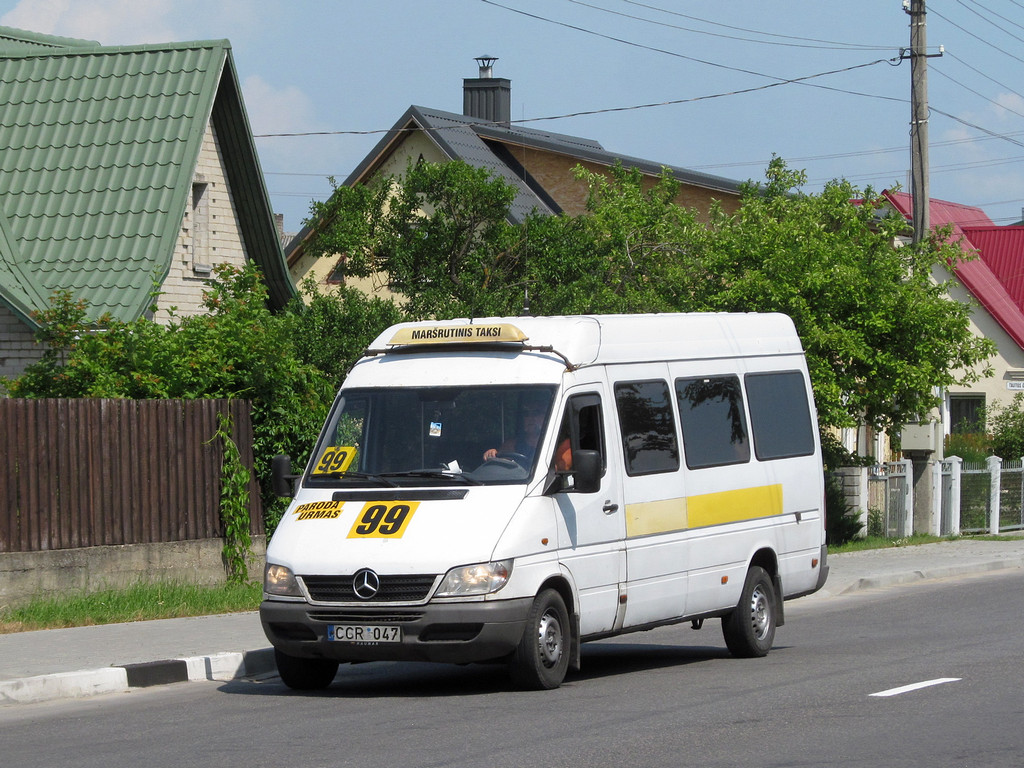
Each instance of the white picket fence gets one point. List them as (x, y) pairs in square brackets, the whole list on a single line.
[(987, 497)]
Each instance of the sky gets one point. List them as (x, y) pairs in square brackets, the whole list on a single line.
[(718, 87)]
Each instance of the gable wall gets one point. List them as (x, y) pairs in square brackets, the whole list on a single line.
[(554, 173), (205, 239), (411, 149), (18, 347), (1009, 357)]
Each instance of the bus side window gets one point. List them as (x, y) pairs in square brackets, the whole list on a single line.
[(580, 430), (648, 427)]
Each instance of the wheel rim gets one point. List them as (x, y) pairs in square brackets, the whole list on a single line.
[(549, 639), (760, 612)]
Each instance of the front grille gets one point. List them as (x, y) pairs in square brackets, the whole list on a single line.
[(364, 617), (339, 589)]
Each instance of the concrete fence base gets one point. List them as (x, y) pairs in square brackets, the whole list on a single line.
[(27, 575)]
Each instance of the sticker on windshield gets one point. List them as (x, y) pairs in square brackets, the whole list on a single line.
[(334, 460), (383, 519)]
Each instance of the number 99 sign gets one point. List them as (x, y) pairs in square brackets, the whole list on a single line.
[(383, 520), (334, 460)]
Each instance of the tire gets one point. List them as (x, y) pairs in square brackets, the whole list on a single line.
[(305, 674), (749, 630), (542, 658)]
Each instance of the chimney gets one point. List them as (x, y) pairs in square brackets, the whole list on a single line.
[(486, 97)]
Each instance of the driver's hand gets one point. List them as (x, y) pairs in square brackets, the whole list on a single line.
[(490, 453)]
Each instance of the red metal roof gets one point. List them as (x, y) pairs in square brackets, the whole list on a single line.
[(996, 278)]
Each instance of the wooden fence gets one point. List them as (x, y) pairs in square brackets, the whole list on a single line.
[(91, 472)]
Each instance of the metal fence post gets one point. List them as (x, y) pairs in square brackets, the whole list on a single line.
[(994, 465)]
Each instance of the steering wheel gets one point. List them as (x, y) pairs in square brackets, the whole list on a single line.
[(511, 458)]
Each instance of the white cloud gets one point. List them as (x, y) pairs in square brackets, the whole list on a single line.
[(1011, 106), (110, 22), (276, 110)]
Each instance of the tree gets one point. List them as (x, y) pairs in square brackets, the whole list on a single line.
[(333, 329), (439, 237), (880, 333)]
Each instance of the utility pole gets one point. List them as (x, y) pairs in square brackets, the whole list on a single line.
[(921, 442), (918, 55)]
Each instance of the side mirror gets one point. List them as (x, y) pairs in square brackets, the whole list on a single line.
[(586, 471), (281, 475)]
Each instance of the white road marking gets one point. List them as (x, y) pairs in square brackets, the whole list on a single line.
[(915, 686)]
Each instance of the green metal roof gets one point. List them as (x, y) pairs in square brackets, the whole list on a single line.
[(13, 40), (98, 146)]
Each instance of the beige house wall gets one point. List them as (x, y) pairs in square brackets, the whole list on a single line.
[(1007, 364), (554, 173), (415, 148), (210, 235)]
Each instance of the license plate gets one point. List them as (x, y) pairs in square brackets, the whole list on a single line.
[(363, 633)]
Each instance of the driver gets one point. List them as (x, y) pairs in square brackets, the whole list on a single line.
[(525, 442)]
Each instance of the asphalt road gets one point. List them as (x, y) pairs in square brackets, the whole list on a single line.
[(671, 697)]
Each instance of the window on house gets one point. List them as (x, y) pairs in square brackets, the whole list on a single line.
[(200, 218), (337, 273), (966, 414)]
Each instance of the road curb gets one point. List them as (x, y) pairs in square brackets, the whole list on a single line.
[(928, 574), (221, 667)]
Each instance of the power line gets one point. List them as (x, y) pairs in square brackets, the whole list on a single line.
[(989, 21), (839, 45), (796, 80), (968, 32), (637, 45), (978, 71), (826, 44)]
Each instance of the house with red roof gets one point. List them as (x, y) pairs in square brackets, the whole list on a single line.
[(993, 281)]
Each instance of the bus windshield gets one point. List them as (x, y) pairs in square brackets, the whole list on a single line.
[(471, 435)]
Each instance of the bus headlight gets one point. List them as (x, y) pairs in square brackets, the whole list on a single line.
[(279, 580), (479, 579)]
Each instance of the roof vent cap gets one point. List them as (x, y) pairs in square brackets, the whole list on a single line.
[(486, 62)]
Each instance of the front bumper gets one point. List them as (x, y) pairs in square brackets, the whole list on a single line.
[(445, 632)]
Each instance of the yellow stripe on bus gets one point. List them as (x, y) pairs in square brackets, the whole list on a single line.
[(655, 517), (646, 518)]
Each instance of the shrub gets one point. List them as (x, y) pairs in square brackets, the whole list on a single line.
[(840, 525)]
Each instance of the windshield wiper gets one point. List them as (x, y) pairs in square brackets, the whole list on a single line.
[(434, 473), (358, 476)]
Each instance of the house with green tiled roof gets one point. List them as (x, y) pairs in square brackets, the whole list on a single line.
[(123, 171)]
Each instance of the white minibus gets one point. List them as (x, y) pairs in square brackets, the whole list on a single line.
[(505, 489)]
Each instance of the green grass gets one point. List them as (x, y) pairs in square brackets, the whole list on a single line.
[(880, 542), (135, 603)]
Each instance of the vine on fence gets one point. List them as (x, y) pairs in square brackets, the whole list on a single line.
[(234, 504)]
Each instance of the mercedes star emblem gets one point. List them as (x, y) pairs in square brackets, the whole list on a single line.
[(365, 584)]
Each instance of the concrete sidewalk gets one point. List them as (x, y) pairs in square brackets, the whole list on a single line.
[(85, 661)]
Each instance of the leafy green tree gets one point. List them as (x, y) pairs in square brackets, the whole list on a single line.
[(1006, 427), (881, 334), (439, 237), (879, 331), (334, 328)]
